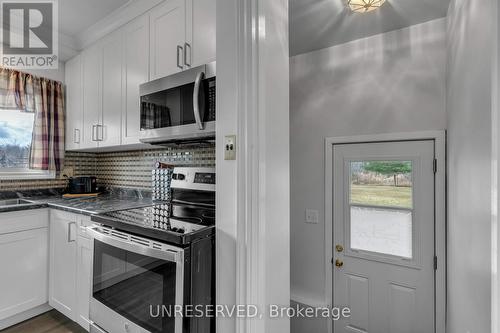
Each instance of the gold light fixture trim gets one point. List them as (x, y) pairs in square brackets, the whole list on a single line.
[(364, 6)]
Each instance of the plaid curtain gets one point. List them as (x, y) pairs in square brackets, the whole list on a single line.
[(45, 98)]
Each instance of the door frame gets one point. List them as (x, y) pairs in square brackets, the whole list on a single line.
[(439, 138)]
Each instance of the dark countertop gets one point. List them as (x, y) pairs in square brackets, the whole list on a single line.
[(107, 202)]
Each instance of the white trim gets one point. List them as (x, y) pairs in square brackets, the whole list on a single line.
[(116, 19), (21, 174), (308, 300), (439, 138), (495, 165), (28, 314)]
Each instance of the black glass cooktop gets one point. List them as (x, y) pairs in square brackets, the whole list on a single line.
[(153, 222)]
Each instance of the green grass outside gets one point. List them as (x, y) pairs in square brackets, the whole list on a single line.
[(377, 195)]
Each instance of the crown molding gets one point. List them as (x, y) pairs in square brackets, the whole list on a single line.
[(113, 21)]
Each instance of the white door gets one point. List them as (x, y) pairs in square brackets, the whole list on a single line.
[(136, 63), (92, 99), (83, 280), (168, 35), (62, 270), (383, 208), (200, 33), (23, 281), (73, 80), (109, 130)]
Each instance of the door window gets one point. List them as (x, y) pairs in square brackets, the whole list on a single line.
[(381, 207)]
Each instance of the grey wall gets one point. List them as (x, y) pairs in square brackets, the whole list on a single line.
[(469, 161), (316, 24), (393, 82)]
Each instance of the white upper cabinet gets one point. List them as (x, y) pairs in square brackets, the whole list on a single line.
[(92, 83), (136, 69), (200, 24), (102, 84), (109, 127), (73, 80), (167, 38)]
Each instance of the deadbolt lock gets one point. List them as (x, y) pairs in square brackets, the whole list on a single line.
[(339, 263), (339, 248)]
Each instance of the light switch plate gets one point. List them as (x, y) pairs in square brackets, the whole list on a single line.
[(230, 147), (312, 216)]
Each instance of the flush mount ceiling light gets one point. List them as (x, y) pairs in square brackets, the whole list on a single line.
[(364, 6)]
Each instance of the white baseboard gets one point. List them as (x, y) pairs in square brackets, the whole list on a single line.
[(16, 319), (307, 299)]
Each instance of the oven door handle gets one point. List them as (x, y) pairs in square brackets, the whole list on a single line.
[(128, 245), (196, 100)]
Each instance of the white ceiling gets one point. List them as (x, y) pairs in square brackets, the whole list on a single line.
[(316, 24), (76, 16)]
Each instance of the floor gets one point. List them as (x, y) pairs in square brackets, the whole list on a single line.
[(49, 322)]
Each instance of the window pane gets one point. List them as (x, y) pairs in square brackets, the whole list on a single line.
[(381, 183), (16, 129), (387, 231)]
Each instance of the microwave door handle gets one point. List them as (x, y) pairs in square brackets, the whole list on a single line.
[(196, 103)]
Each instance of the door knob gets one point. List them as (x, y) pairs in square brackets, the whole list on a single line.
[(339, 248), (339, 263)]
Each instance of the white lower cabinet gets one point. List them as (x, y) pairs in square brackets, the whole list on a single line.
[(46, 256), (70, 266), (62, 273), (24, 262), (84, 255), (83, 280)]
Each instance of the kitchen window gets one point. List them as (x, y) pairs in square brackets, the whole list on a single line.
[(16, 131)]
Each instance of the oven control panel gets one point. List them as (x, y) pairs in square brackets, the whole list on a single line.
[(194, 178)]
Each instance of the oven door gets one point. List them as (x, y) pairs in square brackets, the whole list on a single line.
[(133, 279)]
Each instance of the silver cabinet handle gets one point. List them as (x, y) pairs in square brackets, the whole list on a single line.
[(101, 136), (69, 232), (186, 46), (94, 132), (75, 140), (196, 100), (179, 50)]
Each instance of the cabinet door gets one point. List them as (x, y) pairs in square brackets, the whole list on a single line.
[(168, 34), (92, 83), (62, 274), (83, 280), (201, 31), (136, 67), (24, 262), (73, 78), (109, 133)]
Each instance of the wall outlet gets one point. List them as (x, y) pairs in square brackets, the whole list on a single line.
[(312, 216), (230, 147)]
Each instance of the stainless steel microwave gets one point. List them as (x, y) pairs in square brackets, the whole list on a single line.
[(179, 107)]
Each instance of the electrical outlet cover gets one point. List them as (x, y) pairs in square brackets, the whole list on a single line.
[(312, 216)]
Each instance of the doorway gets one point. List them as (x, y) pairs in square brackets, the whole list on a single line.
[(385, 243)]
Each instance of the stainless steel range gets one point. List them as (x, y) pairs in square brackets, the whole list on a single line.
[(157, 258)]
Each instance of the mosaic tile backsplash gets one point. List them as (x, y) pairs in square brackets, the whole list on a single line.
[(130, 169), (133, 169)]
